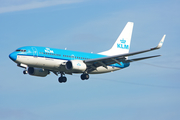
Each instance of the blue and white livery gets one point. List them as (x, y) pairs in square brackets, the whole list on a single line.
[(40, 61)]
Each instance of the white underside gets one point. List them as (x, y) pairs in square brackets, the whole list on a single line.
[(56, 64)]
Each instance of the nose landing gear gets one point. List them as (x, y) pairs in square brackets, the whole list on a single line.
[(25, 72)]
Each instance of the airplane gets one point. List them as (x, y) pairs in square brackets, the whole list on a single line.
[(40, 61)]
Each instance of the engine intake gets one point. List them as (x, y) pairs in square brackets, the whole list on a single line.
[(76, 66), (38, 72)]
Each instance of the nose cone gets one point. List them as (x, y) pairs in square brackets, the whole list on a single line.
[(13, 56)]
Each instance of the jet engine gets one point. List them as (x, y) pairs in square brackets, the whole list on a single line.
[(38, 72), (76, 66)]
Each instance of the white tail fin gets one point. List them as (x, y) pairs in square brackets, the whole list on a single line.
[(122, 44)]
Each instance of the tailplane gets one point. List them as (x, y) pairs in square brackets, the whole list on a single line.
[(122, 44)]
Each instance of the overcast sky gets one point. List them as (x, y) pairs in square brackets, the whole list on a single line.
[(147, 90)]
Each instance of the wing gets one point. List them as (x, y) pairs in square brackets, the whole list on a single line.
[(92, 64)]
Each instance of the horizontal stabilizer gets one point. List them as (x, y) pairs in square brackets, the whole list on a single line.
[(137, 59)]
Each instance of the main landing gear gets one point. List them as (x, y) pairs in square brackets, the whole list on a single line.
[(62, 79), (84, 76)]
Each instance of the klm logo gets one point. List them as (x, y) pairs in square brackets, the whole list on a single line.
[(48, 50), (78, 64), (122, 45)]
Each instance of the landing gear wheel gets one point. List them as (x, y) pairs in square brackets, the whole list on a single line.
[(84, 76), (62, 79), (25, 72)]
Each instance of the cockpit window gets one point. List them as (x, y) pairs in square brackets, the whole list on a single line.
[(21, 50)]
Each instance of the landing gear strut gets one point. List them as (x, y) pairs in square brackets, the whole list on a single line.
[(84, 76), (62, 79)]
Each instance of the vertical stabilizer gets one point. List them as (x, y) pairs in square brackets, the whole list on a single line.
[(122, 44)]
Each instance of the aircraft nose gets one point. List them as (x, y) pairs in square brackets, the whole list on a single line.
[(13, 56)]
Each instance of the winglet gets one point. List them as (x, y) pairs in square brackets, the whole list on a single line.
[(161, 42)]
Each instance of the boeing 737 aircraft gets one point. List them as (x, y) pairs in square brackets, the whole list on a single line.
[(40, 61)]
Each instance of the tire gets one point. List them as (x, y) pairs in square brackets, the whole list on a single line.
[(82, 77), (86, 76), (25, 72), (62, 79)]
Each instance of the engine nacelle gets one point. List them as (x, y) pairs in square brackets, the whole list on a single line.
[(38, 72), (76, 66)]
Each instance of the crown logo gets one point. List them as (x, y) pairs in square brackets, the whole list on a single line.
[(123, 41)]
